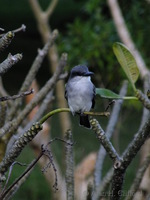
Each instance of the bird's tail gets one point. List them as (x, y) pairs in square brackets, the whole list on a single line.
[(84, 121)]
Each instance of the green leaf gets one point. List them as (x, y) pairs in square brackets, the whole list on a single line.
[(127, 62), (108, 94)]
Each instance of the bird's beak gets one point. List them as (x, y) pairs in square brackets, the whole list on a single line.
[(89, 74)]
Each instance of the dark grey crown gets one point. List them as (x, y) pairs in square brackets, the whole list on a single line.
[(80, 70)]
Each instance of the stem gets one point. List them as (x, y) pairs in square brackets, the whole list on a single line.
[(68, 110)]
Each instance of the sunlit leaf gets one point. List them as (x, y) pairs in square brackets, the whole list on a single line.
[(127, 62), (108, 94)]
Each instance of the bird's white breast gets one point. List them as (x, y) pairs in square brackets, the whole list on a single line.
[(80, 94)]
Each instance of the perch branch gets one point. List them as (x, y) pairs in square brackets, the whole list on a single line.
[(68, 110)]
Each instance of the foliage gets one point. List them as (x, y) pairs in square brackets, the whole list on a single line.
[(89, 40)]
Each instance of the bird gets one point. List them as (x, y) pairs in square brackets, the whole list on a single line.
[(80, 93)]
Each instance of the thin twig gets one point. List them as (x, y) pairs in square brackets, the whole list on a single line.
[(22, 28), (20, 177), (138, 179), (14, 97), (9, 174)]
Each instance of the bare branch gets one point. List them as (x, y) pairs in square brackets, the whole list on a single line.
[(6, 98), (11, 126), (9, 174), (1, 29), (51, 8), (36, 8), (33, 71), (127, 157), (22, 28), (69, 166), (138, 179), (9, 62), (109, 131)]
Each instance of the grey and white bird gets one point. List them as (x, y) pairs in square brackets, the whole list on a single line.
[(80, 93)]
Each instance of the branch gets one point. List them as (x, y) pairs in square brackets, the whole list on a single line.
[(143, 98), (33, 71), (8, 178), (100, 134), (53, 112), (125, 35), (139, 176), (9, 62), (36, 8), (6, 40), (45, 31), (6, 98), (51, 8), (18, 146), (101, 190), (22, 28), (11, 126), (3, 110), (109, 131), (127, 157), (136, 144), (69, 166)]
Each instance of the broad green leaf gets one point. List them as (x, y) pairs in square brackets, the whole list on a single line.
[(105, 93), (127, 62)]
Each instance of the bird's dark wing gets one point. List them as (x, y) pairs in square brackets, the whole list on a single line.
[(94, 94)]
